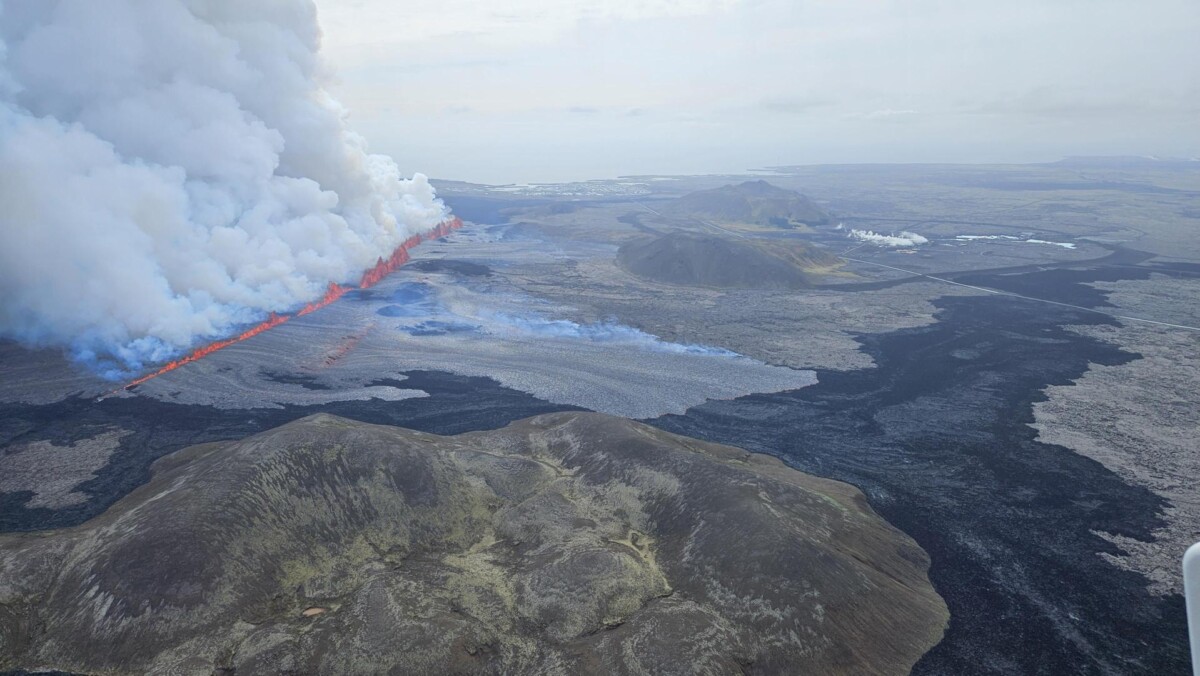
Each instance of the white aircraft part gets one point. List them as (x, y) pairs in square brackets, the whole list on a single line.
[(1191, 590)]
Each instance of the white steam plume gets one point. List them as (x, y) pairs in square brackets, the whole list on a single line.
[(904, 239), (170, 169)]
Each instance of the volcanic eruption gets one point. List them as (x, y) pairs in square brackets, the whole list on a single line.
[(371, 277), (173, 170)]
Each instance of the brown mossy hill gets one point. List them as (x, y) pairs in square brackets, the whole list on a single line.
[(752, 202), (695, 259), (563, 544)]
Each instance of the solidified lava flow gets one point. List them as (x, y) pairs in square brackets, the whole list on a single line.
[(371, 277)]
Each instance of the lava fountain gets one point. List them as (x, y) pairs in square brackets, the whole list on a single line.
[(382, 268)]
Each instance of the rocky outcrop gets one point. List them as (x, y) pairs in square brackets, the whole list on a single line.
[(565, 543)]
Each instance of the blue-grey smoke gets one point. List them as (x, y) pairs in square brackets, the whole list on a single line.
[(607, 332)]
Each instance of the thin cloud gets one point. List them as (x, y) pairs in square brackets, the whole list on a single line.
[(794, 106), (715, 85), (883, 114), (1056, 102)]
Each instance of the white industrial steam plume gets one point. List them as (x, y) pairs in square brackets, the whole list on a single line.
[(170, 169)]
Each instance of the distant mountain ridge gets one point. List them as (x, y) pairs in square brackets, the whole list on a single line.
[(752, 202), (1127, 162)]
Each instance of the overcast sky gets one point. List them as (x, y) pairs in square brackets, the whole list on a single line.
[(537, 90)]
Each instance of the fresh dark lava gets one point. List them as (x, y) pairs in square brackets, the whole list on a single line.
[(455, 404), (938, 438)]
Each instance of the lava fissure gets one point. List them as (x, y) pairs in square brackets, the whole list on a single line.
[(371, 277)]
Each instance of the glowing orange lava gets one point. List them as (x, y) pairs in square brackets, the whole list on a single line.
[(334, 292), (371, 277)]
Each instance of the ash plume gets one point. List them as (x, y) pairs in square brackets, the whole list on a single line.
[(172, 169)]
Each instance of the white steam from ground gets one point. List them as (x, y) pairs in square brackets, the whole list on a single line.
[(902, 239), (170, 169)]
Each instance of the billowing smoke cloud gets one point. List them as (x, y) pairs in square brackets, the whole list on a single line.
[(170, 169), (893, 240)]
